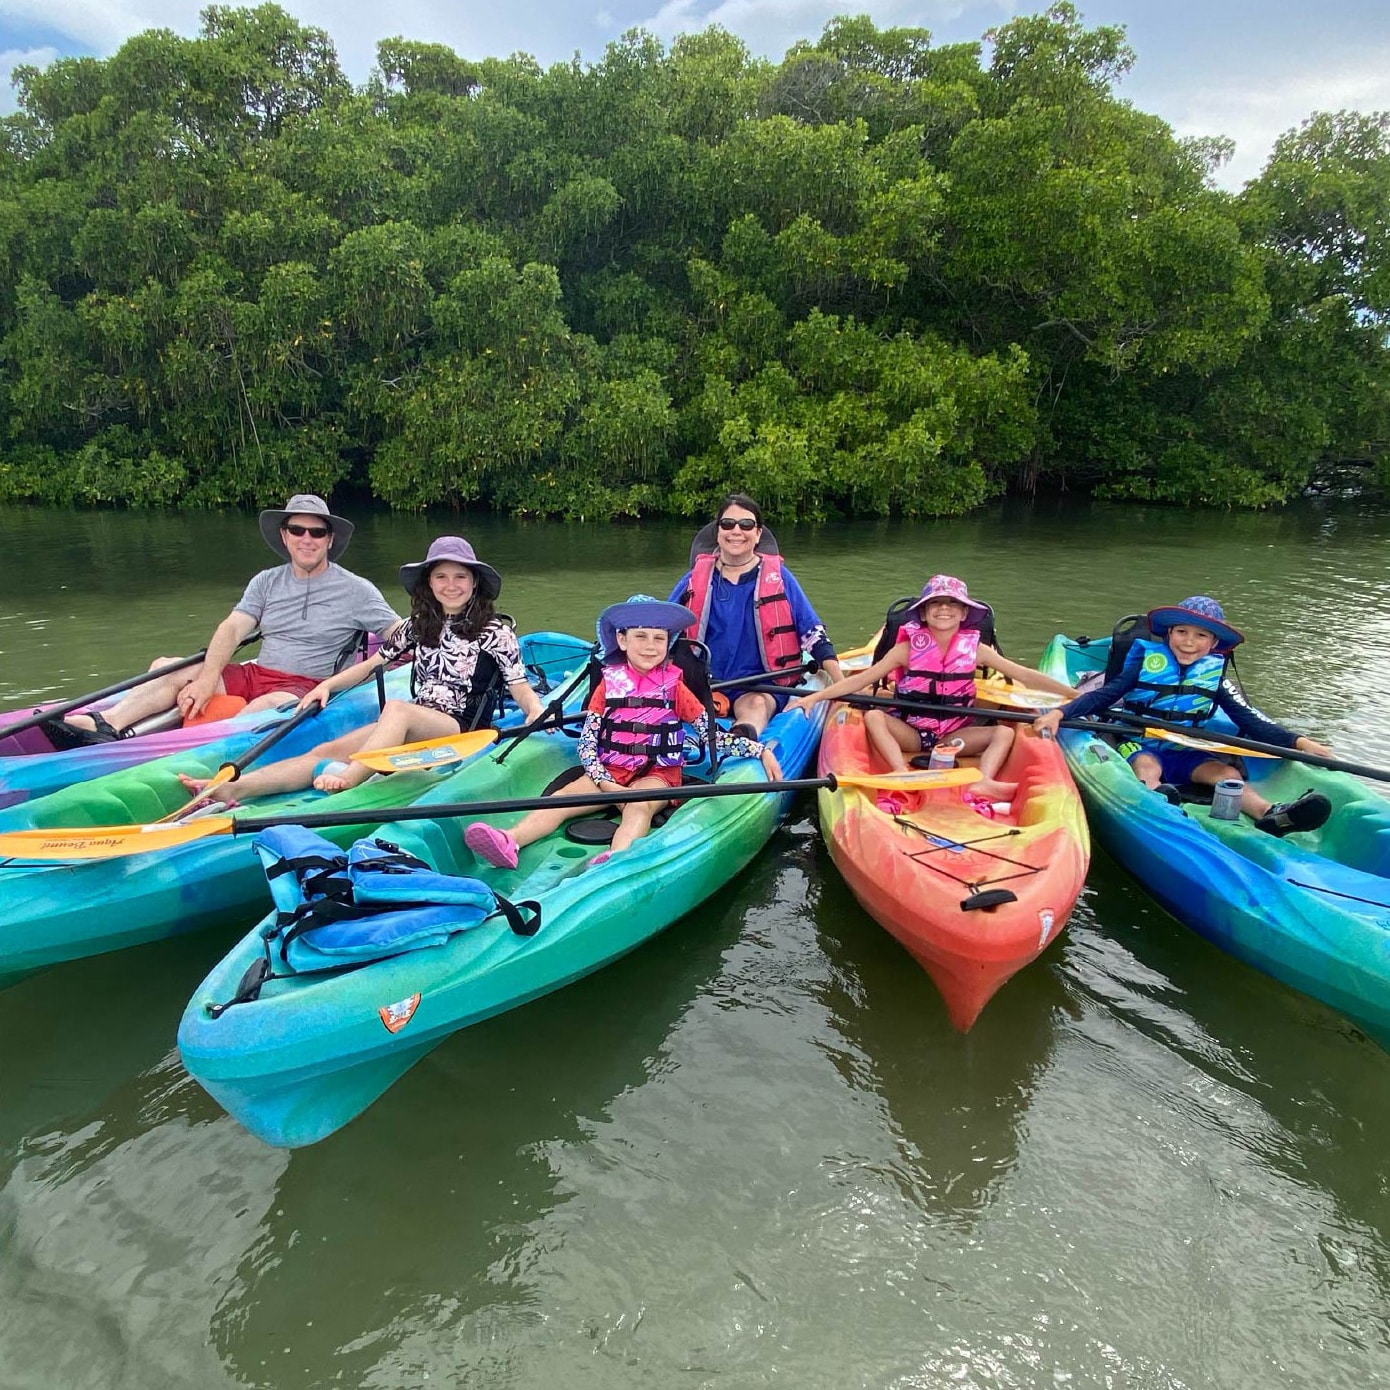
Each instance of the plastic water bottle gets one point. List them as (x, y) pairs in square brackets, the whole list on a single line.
[(943, 755), (1225, 799)]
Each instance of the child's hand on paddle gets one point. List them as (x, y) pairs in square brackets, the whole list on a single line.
[(1304, 744), (1045, 725), (803, 703)]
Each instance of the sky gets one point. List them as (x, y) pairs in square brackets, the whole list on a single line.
[(1246, 69)]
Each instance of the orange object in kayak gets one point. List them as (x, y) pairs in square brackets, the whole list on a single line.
[(217, 707), (973, 899)]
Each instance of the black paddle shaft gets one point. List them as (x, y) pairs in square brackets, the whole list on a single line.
[(144, 678), (448, 810)]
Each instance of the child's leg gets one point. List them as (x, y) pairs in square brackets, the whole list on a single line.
[(1147, 769), (992, 742), (400, 722), (536, 825), (288, 775), (1209, 773), (891, 738), (637, 815)]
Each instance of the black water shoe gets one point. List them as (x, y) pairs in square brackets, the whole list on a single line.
[(1306, 813), (1169, 793)]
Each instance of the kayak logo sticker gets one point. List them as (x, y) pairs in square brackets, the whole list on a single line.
[(396, 1016), (1047, 917)]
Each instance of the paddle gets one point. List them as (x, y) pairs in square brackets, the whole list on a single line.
[(763, 675), (1134, 724), (1172, 733), (229, 772), (58, 711), (112, 842), (452, 748)]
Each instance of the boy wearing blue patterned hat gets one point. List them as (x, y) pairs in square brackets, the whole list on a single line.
[(1180, 677)]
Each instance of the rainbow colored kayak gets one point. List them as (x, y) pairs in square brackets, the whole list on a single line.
[(973, 900), (312, 1052), (1312, 909), (31, 767), (52, 912)]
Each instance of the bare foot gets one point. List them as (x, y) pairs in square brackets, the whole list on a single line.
[(81, 721), (338, 777)]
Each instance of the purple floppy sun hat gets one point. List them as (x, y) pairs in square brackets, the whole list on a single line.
[(487, 580), (948, 586), (641, 610), (1198, 611)]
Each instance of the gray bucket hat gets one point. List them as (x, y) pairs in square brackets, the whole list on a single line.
[(305, 504), (454, 548)]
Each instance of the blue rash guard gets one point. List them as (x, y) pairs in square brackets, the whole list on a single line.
[(732, 633)]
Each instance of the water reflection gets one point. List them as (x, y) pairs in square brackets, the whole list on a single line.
[(1284, 1078), (414, 1230), (958, 1103)]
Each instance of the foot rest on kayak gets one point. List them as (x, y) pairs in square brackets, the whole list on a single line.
[(987, 900), (340, 910)]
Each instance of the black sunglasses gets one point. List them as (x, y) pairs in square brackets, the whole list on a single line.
[(742, 523), (317, 532)]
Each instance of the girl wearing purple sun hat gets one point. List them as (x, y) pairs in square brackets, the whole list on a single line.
[(936, 656), (1180, 676)]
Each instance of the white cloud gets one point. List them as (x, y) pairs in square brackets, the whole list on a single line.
[(1258, 108), (12, 58)]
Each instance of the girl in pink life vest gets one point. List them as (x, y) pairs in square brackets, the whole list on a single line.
[(935, 659), (633, 735)]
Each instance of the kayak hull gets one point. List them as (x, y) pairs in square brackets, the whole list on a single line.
[(310, 1054), (928, 872), (53, 912), (1311, 910)]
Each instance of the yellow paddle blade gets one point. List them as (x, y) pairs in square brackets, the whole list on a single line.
[(1017, 696), (1187, 741), (923, 781), (433, 752), (226, 773), (106, 841)]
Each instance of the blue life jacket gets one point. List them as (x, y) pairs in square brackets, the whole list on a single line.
[(338, 910), (1172, 692)]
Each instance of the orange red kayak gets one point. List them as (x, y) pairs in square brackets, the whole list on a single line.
[(973, 899)]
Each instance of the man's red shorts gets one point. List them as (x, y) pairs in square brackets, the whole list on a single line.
[(250, 681)]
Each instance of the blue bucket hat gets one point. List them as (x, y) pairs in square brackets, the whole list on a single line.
[(1198, 611), (641, 610)]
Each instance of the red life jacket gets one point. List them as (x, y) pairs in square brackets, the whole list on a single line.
[(640, 726), (943, 677), (779, 644)]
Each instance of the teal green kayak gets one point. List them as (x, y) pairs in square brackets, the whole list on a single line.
[(52, 912), (312, 1052), (1312, 909)]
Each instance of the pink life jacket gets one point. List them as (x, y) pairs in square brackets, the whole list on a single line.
[(779, 644), (942, 677), (640, 727)]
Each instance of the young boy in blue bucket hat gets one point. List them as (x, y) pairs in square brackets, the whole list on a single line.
[(1180, 677)]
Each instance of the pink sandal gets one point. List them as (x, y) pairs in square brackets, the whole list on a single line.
[(490, 844), (981, 805)]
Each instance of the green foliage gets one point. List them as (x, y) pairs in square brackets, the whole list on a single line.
[(878, 277)]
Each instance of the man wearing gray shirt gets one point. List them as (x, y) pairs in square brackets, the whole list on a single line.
[(308, 611)]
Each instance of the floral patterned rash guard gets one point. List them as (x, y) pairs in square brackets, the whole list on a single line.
[(459, 675)]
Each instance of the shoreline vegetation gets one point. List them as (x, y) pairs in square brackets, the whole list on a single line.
[(880, 277)]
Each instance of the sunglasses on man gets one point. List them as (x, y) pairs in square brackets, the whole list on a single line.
[(742, 523), (317, 532)]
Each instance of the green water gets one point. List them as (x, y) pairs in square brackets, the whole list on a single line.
[(753, 1153)]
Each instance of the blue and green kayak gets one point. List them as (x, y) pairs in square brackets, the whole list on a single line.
[(1312, 909), (312, 1052), (55, 911)]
